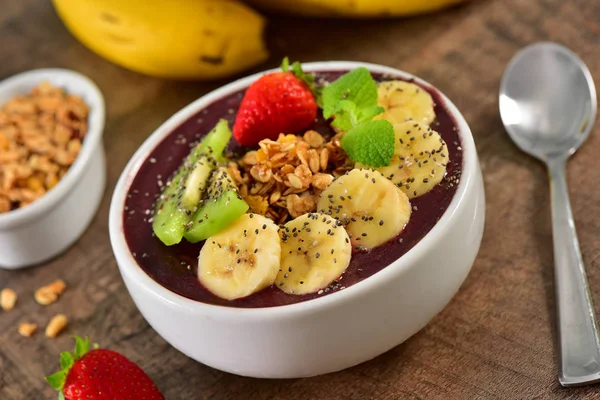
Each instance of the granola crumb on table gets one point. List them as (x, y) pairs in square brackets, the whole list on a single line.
[(284, 178), (8, 299), (56, 325), (26, 329), (40, 137)]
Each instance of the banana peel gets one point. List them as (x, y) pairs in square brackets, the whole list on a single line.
[(182, 39), (352, 8)]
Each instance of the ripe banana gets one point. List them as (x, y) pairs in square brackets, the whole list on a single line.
[(403, 101), (242, 259), (355, 8), (185, 39), (315, 251), (419, 161), (371, 207)]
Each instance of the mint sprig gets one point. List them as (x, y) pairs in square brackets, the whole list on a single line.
[(352, 102)]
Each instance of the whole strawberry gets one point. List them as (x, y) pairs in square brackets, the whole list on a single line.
[(279, 102), (100, 374)]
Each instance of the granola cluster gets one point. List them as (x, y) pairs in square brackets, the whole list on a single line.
[(40, 137), (284, 178), (44, 296)]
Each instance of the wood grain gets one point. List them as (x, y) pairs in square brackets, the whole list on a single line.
[(494, 340)]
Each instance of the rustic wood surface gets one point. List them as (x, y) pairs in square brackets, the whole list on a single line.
[(494, 340)]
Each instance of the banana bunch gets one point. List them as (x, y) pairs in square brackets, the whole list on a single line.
[(200, 39), (183, 39)]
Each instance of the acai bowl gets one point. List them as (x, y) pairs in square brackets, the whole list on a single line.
[(370, 280)]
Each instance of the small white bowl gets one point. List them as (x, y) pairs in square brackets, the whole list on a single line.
[(49, 225), (325, 334)]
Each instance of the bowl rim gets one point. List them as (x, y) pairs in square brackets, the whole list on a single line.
[(96, 119), (130, 268)]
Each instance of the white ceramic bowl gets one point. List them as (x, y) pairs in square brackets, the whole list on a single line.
[(328, 333), (48, 226)]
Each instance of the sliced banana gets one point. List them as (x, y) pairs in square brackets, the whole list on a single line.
[(370, 206), (404, 100), (242, 259), (315, 251), (419, 161)]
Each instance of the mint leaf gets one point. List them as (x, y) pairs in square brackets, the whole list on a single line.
[(357, 86), (371, 143), (367, 114), (345, 115)]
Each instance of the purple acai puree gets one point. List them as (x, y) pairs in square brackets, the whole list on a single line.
[(175, 267)]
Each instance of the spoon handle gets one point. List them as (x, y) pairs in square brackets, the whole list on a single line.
[(577, 327)]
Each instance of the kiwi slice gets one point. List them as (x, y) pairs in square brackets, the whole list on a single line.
[(221, 205), (181, 196)]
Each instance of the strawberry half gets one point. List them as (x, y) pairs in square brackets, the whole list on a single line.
[(100, 374), (279, 102)]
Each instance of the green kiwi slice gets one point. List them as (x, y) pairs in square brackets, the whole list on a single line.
[(182, 195), (222, 204)]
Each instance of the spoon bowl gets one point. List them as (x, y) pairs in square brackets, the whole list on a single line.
[(547, 100)]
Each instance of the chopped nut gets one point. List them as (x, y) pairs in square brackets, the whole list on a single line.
[(322, 181), (250, 158), (275, 196), (48, 294), (297, 205), (261, 173), (56, 325), (27, 329), (4, 204), (295, 181), (324, 158), (40, 137), (8, 299), (257, 204), (313, 160), (314, 139)]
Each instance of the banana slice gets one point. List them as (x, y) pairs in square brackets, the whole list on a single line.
[(404, 100), (419, 161), (242, 259), (371, 207), (315, 251)]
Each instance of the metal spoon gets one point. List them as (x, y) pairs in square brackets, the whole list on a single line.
[(548, 106)]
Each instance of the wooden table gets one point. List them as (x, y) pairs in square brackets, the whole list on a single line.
[(494, 340)]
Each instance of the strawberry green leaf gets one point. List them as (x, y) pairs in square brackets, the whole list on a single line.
[(309, 79), (66, 360), (357, 86), (371, 143), (296, 70), (57, 380), (82, 346), (285, 64), (61, 395)]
